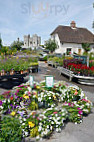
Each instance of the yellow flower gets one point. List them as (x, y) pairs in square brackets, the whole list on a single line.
[(38, 87), (25, 96), (54, 97), (31, 124), (13, 113)]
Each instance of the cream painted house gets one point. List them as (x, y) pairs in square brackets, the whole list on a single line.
[(70, 38)]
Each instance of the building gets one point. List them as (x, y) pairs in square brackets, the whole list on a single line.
[(70, 38), (32, 42)]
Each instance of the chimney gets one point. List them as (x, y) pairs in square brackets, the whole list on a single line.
[(73, 24)]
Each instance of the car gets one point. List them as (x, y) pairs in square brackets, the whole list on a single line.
[(42, 55)]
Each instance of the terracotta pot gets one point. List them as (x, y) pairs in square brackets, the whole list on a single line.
[(2, 73), (11, 72), (21, 72)]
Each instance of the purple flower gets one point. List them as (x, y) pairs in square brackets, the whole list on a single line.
[(11, 105), (33, 116), (21, 113), (15, 93), (1, 102)]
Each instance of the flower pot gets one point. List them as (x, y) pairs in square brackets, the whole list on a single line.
[(21, 72), (11, 72), (2, 73)]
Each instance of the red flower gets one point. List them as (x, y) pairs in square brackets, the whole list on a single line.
[(11, 98)]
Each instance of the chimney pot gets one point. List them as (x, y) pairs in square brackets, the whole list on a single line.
[(73, 24)]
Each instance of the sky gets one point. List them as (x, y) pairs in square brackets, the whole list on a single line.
[(41, 17)]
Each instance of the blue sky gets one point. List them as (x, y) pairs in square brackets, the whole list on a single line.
[(21, 17)]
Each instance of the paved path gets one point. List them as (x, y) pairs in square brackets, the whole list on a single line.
[(83, 132)]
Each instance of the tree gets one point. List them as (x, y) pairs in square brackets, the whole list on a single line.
[(17, 45), (51, 45), (86, 47), (0, 43)]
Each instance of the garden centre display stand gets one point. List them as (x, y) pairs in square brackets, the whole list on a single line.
[(33, 68), (20, 76), (88, 80), (53, 64)]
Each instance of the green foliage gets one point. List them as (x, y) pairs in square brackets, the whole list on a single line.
[(17, 64), (56, 60), (45, 58), (10, 130), (33, 105), (51, 45), (86, 47), (16, 45)]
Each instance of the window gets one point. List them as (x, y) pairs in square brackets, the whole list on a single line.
[(68, 51)]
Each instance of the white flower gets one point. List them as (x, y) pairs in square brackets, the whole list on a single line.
[(24, 119), (23, 124), (40, 128), (87, 104), (1, 107), (38, 137), (26, 133), (8, 101), (26, 92), (57, 130), (29, 89), (51, 127), (58, 118), (20, 121), (4, 101), (48, 126), (85, 110)]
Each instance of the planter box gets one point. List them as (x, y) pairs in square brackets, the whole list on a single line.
[(88, 80)]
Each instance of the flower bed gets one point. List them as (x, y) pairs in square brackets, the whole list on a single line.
[(39, 111)]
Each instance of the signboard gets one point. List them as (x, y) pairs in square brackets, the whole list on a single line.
[(49, 81), (31, 81), (85, 59)]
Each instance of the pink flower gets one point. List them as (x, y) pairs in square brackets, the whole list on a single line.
[(76, 92), (80, 112), (69, 104), (54, 86), (78, 108), (59, 84), (55, 112)]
